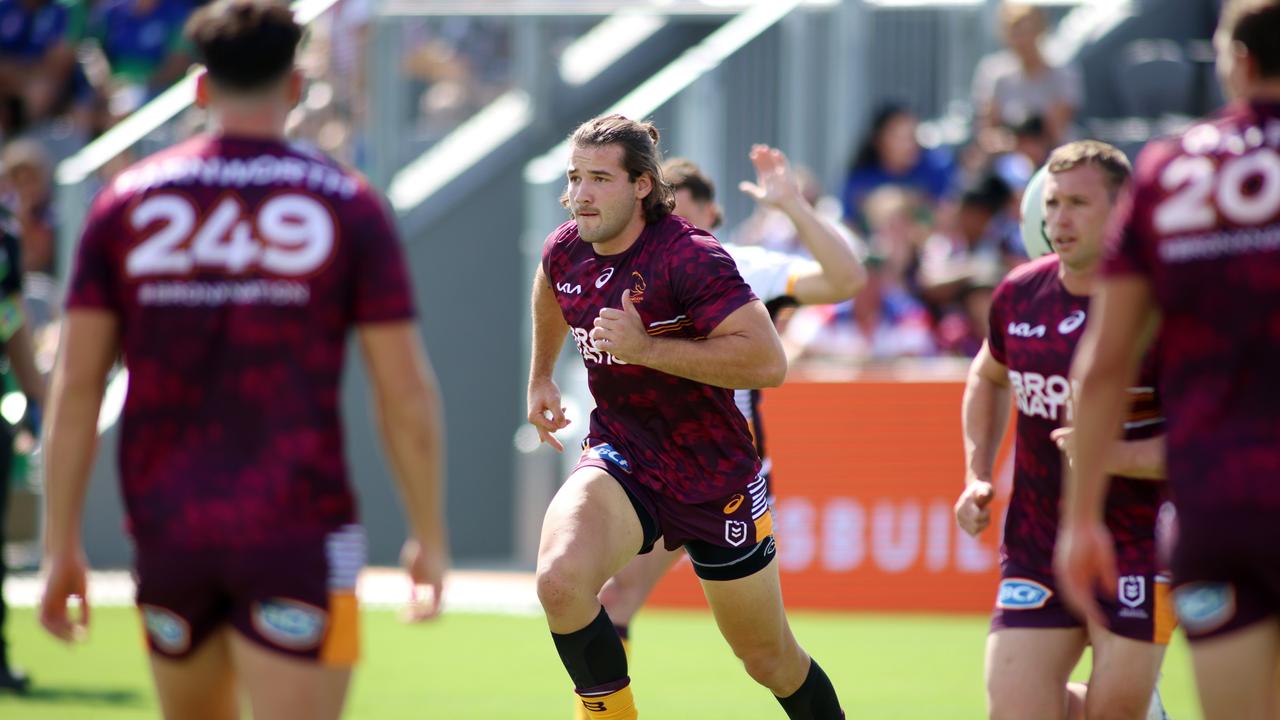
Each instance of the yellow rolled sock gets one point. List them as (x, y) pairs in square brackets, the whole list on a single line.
[(617, 705)]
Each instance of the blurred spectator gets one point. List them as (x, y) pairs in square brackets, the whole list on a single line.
[(28, 193), (985, 240), (898, 222), (144, 47), (891, 155), (962, 330), (1030, 149), (882, 322), (460, 63), (1012, 86), (38, 70)]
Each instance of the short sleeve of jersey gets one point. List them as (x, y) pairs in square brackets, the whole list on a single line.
[(95, 275), (706, 282), (382, 291), (550, 245), (770, 274), (996, 323)]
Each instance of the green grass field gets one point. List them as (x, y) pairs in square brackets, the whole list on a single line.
[(487, 667)]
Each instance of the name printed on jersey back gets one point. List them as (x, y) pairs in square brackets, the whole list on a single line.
[(236, 172)]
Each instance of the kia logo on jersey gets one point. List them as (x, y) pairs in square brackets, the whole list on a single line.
[(1071, 323), (1025, 330)]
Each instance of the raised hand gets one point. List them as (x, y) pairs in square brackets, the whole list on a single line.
[(776, 185)]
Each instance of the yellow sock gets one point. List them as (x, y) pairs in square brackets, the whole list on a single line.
[(617, 705)]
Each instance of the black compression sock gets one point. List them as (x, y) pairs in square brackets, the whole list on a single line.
[(593, 655), (816, 698)]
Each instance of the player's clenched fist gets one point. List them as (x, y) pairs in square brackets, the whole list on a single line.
[(973, 509), (621, 333), (545, 412)]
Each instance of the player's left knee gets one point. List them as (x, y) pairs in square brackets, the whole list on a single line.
[(773, 665)]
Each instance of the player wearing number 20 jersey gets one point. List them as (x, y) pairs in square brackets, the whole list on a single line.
[(1207, 204)]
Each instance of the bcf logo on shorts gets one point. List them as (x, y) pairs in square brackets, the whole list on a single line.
[(1133, 590), (735, 532), (606, 452), (1022, 594), (289, 623), (1204, 606), (168, 631)]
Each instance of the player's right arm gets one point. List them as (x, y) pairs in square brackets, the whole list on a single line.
[(90, 339), (549, 332), (838, 274), (408, 409), (984, 415)]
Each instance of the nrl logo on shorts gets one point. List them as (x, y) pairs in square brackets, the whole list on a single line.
[(1133, 590), (735, 532), (289, 623)]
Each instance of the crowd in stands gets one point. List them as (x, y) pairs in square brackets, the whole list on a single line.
[(938, 227)]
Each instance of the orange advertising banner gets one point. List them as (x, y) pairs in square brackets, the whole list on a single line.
[(865, 475)]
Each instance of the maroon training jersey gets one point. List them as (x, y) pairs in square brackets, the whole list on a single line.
[(1035, 325), (685, 439), (235, 268), (1203, 225)]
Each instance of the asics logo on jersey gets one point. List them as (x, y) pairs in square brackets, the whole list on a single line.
[(1042, 396), (568, 289), (1025, 330), (604, 277), (1022, 594), (1071, 323)]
